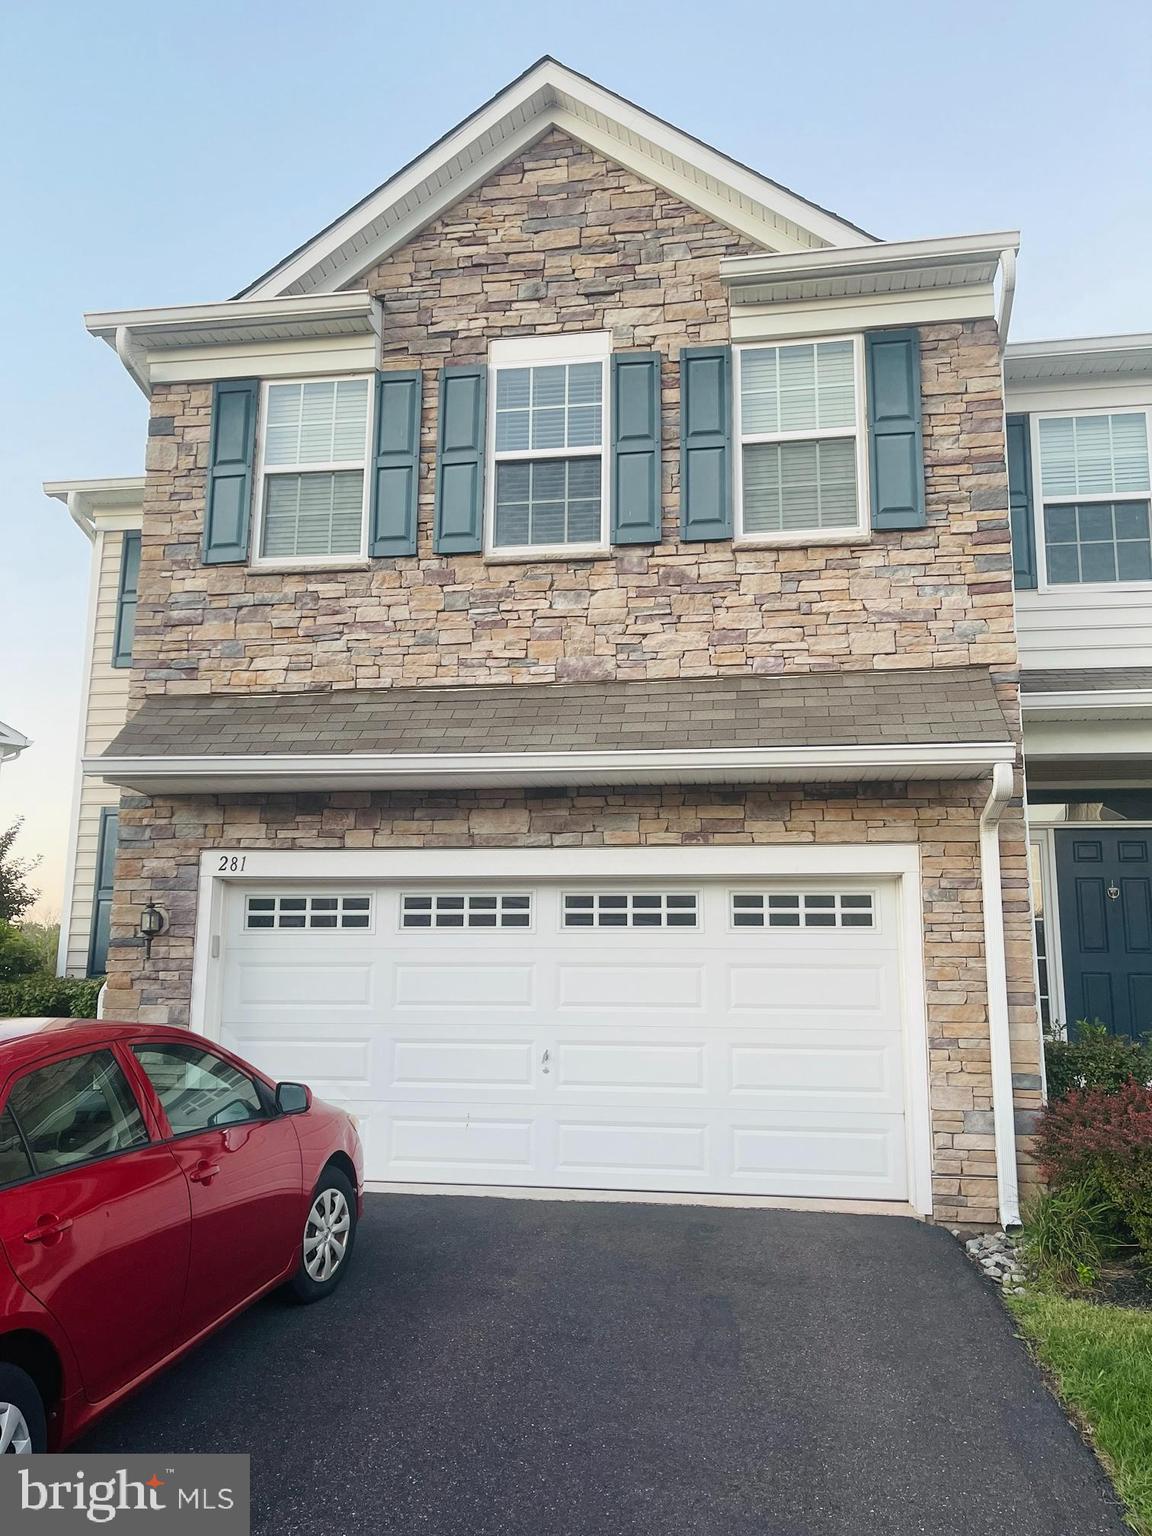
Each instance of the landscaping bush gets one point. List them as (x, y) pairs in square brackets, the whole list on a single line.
[(1103, 1139), (1070, 1234), (67, 997), (19, 954), (1095, 1059)]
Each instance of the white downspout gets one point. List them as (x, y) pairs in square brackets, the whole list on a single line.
[(996, 969)]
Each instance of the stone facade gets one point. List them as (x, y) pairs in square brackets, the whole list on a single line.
[(562, 241), (162, 841)]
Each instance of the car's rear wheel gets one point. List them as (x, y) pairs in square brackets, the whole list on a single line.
[(329, 1235), (23, 1428)]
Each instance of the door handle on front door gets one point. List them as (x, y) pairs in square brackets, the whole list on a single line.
[(204, 1172), (47, 1230)]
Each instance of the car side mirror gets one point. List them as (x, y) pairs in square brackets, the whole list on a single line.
[(293, 1098)]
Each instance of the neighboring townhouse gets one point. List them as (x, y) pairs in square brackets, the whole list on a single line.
[(108, 513), (573, 714), (11, 743), (1078, 457)]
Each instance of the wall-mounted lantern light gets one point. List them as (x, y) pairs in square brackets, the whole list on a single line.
[(152, 922)]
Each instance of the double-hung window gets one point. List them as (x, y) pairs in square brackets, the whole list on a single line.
[(548, 426), (1094, 495), (801, 462), (313, 481)]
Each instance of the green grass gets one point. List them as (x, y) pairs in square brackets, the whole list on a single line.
[(1101, 1360)]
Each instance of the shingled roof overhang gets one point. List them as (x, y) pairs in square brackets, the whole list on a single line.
[(810, 727)]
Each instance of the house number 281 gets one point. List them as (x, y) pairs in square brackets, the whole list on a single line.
[(232, 863)]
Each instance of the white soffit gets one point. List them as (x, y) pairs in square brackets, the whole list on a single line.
[(894, 267), (116, 502), (1084, 357), (546, 96), (12, 743)]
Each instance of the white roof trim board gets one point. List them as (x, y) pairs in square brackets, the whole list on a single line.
[(444, 770), (897, 266), (546, 96), (120, 497), (1081, 357), (12, 743)]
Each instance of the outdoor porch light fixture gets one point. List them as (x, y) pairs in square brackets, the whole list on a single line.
[(152, 922)]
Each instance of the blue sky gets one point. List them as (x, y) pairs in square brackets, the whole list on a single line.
[(170, 154)]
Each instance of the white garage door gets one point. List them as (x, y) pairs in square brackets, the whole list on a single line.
[(724, 1037)]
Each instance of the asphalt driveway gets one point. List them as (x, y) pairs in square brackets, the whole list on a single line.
[(556, 1369)]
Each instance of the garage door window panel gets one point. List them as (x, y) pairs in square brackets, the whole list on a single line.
[(803, 909), (308, 912), (465, 909), (631, 909)]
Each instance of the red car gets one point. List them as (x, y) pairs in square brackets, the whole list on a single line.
[(151, 1186)]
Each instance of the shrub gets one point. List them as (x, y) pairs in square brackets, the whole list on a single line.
[(1095, 1059), (1104, 1139), (67, 997), (1070, 1233), (19, 955)]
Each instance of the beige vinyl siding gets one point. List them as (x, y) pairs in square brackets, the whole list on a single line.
[(105, 708)]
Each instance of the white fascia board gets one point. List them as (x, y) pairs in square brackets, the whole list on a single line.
[(11, 740), (444, 770), (114, 503), (1119, 703), (169, 323), (861, 260), (1080, 346), (1078, 359), (547, 95)]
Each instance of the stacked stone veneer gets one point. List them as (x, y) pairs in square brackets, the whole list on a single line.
[(562, 241)]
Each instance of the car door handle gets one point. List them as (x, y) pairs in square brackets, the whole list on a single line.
[(49, 1227), (203, 1172)]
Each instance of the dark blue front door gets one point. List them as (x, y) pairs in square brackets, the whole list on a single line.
[(1103, 877)]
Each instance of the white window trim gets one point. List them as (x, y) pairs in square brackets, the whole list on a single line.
[(1038, 498), (262, 474), (546, 352), (862, 531)]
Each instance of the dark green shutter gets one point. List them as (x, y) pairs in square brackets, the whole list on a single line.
[(396, 465), (895, 447), (706, 443), (126, 594), (1023, 518), (460, 459), (102, 895), (636, 448), (232, 448)]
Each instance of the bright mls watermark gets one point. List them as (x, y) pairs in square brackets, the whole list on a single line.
[(184, 1495)]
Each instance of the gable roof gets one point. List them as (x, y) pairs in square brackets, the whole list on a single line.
[(549, 95)]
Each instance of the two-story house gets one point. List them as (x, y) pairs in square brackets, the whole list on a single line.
[(566, 645)]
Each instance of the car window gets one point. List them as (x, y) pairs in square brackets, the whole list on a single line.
[(15, 1164), (198, 1089), (75, 1110)]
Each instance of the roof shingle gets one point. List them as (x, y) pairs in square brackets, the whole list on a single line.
[(809, 709)]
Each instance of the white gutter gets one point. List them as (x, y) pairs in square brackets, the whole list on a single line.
[(885, 256), (1007, 293), (996, 981), (444, 769), (134, 360)]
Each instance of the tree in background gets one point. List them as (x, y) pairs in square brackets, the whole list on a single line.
[(16, 895)]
